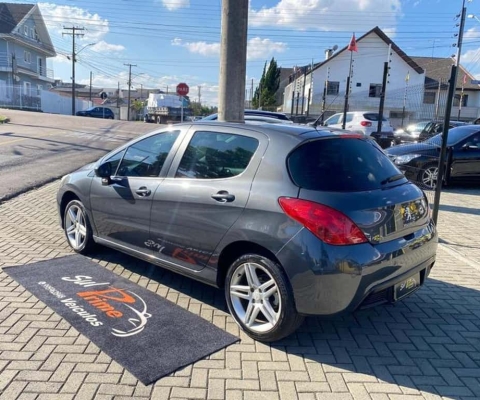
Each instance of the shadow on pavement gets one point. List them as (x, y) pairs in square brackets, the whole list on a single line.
[(458, 209), (429, 342)]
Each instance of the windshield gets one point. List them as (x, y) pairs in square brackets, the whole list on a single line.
[(455, 135), (417, 127)]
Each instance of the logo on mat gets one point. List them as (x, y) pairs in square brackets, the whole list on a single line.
[(116, 304)]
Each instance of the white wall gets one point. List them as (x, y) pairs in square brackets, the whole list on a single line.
[(368, 64), (57, 104)]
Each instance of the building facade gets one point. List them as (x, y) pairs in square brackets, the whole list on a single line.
[(25, 46)]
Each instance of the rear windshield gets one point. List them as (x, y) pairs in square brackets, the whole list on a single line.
[(340, 165), (373, 117)]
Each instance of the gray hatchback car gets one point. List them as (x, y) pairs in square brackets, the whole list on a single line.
[(289, 220)]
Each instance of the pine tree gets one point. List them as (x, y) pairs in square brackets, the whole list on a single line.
[(269, 83)]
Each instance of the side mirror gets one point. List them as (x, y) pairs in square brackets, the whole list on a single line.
[(104, 171)]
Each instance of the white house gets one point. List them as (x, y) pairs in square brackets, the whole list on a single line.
[(374, 49)]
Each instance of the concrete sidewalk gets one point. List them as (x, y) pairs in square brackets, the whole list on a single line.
[(425, 347)]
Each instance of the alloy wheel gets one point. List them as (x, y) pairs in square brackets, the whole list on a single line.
[(76, 227), (429, 177), (255, 297)]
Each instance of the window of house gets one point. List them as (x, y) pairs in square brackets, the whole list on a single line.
[(39, 89), (27, 56), (35, 33), (333, 88), (212, 155), (146, 157), (456, 100), (27, 88), (429, 97), (375, 90), (359, 84), (25, 30)]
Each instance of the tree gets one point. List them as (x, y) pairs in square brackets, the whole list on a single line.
[(267, 88)]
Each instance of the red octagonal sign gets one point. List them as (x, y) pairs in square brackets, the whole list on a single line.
[(182, 89)]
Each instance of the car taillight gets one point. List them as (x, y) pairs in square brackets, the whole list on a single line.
[(324, 222), (366, 123)]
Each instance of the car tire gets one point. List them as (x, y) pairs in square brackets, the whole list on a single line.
[(77, 228), (427, 177), (260, 298)]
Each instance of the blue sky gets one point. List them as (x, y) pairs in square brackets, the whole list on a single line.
[(174, 41)]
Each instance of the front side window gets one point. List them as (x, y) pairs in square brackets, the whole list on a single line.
[(146, 157), (212, 155), (27, 57), (114, 161), (334, 119)]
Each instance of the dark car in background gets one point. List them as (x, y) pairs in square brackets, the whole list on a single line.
[(288, 220), (411, 133), (419, 162), (97, 112), (435, 127)]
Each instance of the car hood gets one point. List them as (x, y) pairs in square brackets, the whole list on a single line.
[(88, 167), (417, 148)]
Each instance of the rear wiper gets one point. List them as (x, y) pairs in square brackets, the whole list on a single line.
[(393, 178)]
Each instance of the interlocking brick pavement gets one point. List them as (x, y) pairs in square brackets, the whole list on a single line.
[(426, 347)]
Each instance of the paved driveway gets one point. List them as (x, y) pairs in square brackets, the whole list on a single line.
[(425, 347)]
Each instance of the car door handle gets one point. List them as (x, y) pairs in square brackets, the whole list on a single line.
[(223, 197), (143, 191)]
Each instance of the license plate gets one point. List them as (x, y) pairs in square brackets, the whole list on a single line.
[(406, 287)]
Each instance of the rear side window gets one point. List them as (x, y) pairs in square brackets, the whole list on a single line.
[(340, 165), (373, 117), (212, 155)]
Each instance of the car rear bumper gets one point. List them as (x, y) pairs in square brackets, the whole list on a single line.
[(328, 280)]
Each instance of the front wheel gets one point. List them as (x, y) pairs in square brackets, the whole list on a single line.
[(428, 176), (260, 298), (77, 227)]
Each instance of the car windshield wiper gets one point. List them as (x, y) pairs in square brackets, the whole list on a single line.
[(393, 178)]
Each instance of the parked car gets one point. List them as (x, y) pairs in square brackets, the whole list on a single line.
[(365, 122), (256, 113), (289, 220), (411, 133), (419, 162), (435, 127), (96, 112)]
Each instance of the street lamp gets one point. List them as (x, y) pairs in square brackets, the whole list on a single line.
[(473, 16), (74, 55)]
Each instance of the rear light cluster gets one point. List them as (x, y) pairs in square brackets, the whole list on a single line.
[(324, 222), (366, 123)]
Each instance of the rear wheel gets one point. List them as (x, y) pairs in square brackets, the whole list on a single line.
[(77, 227), (260, 299)]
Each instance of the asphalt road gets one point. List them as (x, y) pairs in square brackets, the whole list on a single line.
[(37, 148)]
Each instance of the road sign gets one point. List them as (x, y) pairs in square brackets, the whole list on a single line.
[(475, 82), (103, 95), (182, 89)]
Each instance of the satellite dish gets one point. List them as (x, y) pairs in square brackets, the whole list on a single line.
[(334, 48)]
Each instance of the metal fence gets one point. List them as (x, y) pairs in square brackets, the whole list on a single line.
[(20, 97)]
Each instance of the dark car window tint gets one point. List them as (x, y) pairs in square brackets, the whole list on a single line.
[(340, 165), (114, 161), (213, 155), (455, 135), (146, 157), (373, 117)]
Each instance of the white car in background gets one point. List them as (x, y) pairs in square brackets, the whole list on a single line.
[(360, 121)]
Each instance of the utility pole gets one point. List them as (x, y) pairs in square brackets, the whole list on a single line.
[(324, 97), (91, 86), (451, 94), (233, 60), (118, 95), (251, 95), (200, 96), (129, 87), (384, 90), (73, 33)]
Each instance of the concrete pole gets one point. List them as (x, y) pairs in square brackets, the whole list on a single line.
[(233, 60)]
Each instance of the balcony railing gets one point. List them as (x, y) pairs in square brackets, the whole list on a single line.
[(41, 70)]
